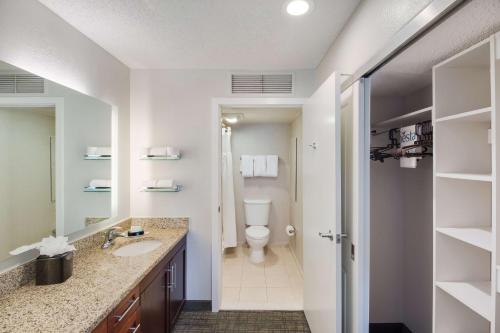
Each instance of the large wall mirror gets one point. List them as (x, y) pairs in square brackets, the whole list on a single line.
[(55, 161)]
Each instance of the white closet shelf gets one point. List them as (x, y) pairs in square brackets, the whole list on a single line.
[(480, 115), (476, 295), (407, 119), (465, 176), (479, 236)]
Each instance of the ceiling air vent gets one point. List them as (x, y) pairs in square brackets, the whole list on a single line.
[(261, 83), (21, 84)]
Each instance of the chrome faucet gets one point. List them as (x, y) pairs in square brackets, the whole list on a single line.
[(110, 236)]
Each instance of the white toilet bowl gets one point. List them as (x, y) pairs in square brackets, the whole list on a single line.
[(257, 233), (257, 238)]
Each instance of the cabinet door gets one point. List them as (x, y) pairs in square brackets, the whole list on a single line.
[(153, 306), (177, 288)]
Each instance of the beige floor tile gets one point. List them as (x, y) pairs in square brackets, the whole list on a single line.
[(282, 297), (278, 280), (231, 280), (253, 295), (255, 279), (230, 295)]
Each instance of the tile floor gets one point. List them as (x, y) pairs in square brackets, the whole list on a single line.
[(275, 284)]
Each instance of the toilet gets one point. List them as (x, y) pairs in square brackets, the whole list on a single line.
[(257, 233)]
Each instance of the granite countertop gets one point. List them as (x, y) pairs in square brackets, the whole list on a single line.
[(100, 281)]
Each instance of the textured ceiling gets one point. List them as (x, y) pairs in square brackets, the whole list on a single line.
[(411, 70), (208, 34)]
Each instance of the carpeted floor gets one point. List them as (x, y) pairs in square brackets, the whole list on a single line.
[(242, 321)]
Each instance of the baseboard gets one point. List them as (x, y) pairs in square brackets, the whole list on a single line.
[(389, 328), (198, 305)]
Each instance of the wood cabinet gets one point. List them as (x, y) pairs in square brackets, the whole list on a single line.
[(155, 304), (176, 286)]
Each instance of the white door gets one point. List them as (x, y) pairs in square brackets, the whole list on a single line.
[(322, 208)]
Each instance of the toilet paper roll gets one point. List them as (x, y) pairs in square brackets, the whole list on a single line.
[(290, 230)]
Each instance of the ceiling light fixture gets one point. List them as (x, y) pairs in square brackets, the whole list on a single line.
[(233, 118), (298, 7)]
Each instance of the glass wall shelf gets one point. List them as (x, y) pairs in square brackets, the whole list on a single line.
[(97, 189), (97, 157), (160, 157), (178, 188)]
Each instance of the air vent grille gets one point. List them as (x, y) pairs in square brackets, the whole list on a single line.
[(21, 84), (261, 83)]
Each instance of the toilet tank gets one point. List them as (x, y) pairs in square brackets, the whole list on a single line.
[(257, 211)]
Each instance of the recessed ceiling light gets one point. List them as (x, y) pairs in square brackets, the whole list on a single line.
[(298, 7), (233, 118)]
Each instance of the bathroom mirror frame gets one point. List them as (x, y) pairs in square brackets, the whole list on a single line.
[(57, 103)]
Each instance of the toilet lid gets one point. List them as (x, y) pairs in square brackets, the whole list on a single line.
[(257, 232)]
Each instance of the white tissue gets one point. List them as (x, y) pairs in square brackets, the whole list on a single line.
[(49, 246)]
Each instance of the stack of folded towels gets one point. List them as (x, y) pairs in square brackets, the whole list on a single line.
[(99, 151), (259, 166), (100, 183), (160, 183), (162, 151)]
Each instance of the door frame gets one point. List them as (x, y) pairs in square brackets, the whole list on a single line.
[(216, 200)]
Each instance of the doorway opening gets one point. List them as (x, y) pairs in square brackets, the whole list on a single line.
[(261, 192)]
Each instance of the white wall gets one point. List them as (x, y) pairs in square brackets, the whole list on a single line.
[(26, 211), (174, 107), (46, 45), (263, 139), (296, 243), (371, 26)]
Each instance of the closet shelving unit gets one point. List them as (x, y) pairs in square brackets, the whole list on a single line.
[(406, 119), (464, 191)]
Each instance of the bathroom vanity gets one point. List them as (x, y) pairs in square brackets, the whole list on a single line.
[(107, 293), (155, 304)]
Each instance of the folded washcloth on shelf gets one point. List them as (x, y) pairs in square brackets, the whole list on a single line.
[(172, 151), (272, 166), (259, 166), (99, 151), (157, 151), (165, 183), (246, 166), (100, 183)]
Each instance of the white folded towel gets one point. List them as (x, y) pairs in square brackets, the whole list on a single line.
[(172, 151), (158, 151), (150, 183), (166, 183), (98, 151), (94, 183), (259, 166), (272, 166), (246, 166)]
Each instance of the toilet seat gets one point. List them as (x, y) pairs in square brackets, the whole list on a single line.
[(257, 232)]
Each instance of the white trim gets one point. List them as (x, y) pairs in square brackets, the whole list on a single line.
[(217, 103)]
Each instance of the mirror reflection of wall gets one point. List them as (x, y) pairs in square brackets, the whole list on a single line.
[(27, 205), (44, 146)]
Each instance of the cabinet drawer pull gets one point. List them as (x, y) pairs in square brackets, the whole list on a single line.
[(120, 318), (135, 329)]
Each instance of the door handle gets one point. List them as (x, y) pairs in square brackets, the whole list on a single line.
[(326, 235)]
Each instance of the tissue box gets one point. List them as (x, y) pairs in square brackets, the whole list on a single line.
[(52, 270)]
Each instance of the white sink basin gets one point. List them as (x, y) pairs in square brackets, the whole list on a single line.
[(137, 248)]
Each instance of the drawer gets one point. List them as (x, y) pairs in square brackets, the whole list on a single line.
[(119, 317), (132, 324)]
